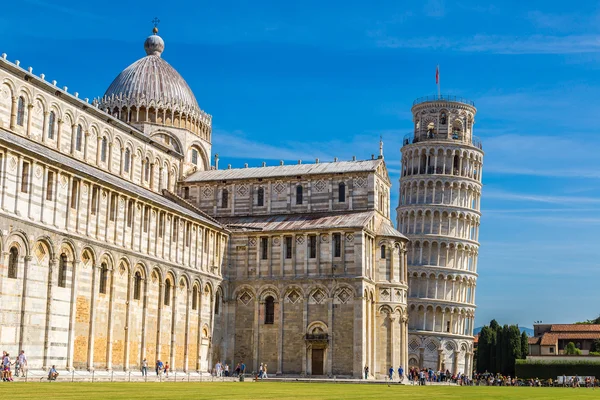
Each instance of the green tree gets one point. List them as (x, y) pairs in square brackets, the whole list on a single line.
[(483, 349), (524, 345), (571, 350), (596, 346), (513, 350)]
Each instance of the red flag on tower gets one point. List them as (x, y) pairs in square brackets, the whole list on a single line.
[(437, 75)]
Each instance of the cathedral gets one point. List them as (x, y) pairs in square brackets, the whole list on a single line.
[(123, 240)]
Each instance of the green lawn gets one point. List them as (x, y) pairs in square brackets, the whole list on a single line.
[(276, 390)]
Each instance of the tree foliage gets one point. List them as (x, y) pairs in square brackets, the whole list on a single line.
[(572, 350), (498, 348)]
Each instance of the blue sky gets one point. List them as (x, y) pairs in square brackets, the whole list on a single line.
[(310, 80)]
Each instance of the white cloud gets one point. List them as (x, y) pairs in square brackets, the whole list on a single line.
[(537, 198)]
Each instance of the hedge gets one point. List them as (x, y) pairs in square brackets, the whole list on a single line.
[(551, 369)]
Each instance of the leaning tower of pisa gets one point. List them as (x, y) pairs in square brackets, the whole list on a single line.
[(440, 190)]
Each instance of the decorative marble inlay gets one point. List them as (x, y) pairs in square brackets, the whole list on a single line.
[(252, 242), (320, 186), (385, 294), (245, 298), (449, 347), (242, 190), (360, 182), (13, 163), (413, 345), (207, 192), (431, 346), (318, 296), (275, 241), (299, 239), (349, 237), (325, 238), (293, 296), (38, 172), (344, 295), (279, 187)]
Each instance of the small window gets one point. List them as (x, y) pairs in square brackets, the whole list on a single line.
[(186, 193), (551, 349), (51, 122), (147, 170), (62, 271), (103, 149), (175, 229), (269, 310), (130, 213), (25, 177), (146, 218), (261, 197), (299, 194), (78, 137), (225, 198), (383, 252), (288, 247), (50, 186), (74, 193), (264, 248), (337, 245), (13, 263), (127, 160), (94, 200), (103, 278), (312, 246), (218, 304), (195, 298), (194, 156), (137, 286), (161, 224), (21, 111), (342, 192), (188, 234), (447, 326), (167, 293), (113, 206)]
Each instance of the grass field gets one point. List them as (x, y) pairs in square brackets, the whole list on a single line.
[(276, 390)]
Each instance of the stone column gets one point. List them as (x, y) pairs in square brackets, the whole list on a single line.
[(45, 126), (455, 362), (144, 320), (188, 301), (72, 313), (440, 359), (29, 114), (173, 325), (24, 296), (92, 330), (111, 307), (51, 266), (257, 305), (161, 292), (329, 350), (280, 338), (130, 281), (13, 113)]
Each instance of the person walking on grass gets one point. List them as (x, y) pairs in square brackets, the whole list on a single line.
[(167, 369), (391, 373), (401, 373), (366, 372), (144, 368)]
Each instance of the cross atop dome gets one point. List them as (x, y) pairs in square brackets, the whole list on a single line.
[(154, 45)]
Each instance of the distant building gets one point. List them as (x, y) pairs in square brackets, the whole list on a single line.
[(551, 339)]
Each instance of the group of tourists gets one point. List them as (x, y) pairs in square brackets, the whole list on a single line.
[(159, 367), (20, 366), (489, 379), (428, 375)]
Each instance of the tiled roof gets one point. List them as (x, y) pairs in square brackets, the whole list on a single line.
[(285, 170), (549, 339), (307, 222), (534, 340), (78, 167), (389, 231), (575, 328)]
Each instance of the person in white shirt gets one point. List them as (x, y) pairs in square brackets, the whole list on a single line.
[(21, 364)]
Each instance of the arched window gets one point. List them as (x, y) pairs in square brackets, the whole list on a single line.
[(225, 198), (127, 160), (299, 194), (137, 286), (195, 298), (51, 122), (269, 310), (25, 177), (103, 278), (130, 213), (342, 192), (103, 149), (443, 118), (78, 137), (21, 111), (13, 263), (383, 252), (147, 170), (194, 156), (62, 271), (261, 197), (217, 303), (167, 292)]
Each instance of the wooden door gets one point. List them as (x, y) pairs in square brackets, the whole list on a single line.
[(317, 361)]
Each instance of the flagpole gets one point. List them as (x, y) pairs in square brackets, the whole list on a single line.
[(438, 81)]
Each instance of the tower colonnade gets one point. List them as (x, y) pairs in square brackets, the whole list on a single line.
[(439, 210)]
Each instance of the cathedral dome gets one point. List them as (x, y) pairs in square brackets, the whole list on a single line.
[(151, 90)]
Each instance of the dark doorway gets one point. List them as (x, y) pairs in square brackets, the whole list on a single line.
[(317, 361)]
